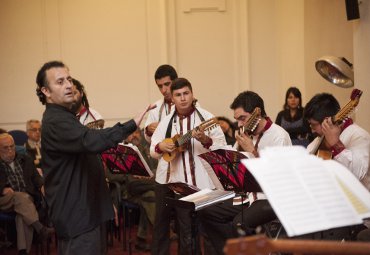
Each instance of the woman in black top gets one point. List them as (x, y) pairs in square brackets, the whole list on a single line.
[(291, 118)]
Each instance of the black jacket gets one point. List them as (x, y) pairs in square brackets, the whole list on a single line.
[(31, 177), (75, 187)]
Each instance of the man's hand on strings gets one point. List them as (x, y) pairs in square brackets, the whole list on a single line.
[(330, 131), (199, 134), (244, 141), (167, 146)]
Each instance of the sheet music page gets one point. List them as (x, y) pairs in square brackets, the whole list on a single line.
[(354, 190), (303, 194), (207, 197)]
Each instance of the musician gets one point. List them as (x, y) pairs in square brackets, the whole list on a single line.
[(348, 143), (186, 166), (81, 107), (164, 75), (233, 218), (75, 186)]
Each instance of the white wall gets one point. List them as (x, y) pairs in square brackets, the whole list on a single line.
[(361, 41), (222, 46)]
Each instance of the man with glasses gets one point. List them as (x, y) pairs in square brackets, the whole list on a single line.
[(33, 144), (20, 186), (346, 143)]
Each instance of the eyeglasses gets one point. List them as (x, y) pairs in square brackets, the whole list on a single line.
[(8, 148), (35, 129)]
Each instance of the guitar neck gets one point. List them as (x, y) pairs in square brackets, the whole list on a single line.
[(185, 138)]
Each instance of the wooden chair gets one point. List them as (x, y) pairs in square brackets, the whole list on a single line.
[(261, 245)]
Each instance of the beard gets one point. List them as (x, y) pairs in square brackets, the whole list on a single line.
[(76, 105)]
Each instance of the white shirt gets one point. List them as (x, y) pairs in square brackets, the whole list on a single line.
[(355, 156), (274, 136), (177, 171), (90, 116), (157, 114)]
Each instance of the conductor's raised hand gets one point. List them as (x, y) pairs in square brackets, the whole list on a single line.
[(140, 116)]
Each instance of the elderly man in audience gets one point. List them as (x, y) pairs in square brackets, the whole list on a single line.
[(20, 186), (33, 144)]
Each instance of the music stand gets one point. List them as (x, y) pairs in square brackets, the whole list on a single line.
[(232, 174), (126, 159)]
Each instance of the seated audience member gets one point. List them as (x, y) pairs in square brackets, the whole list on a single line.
[(292, 120), (185, 167), (347, 143), (20, 186), (33, 144), (228, 128), (223, 221)]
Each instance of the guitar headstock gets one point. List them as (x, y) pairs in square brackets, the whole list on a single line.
[(348, 109), (252, 122), (209, 124), (355, 96)]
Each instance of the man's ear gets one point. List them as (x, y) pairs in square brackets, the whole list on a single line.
[(45, 91)]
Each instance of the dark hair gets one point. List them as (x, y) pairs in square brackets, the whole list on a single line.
[(249, 100), (81, 89), (228, 121), (321, 106), (179, 83), (165, 70), (3, 131), (41, 78), (295, 91)]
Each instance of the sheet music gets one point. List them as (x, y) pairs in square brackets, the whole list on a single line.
[(302, 191), (359, 197), (207, 197)]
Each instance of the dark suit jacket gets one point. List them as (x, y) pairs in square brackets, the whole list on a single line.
[(31, 177)]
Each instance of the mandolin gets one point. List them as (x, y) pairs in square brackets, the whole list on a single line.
[(252, 122), (97, 124), (338, 119), (180, 141)]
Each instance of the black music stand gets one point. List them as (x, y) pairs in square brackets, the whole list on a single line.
[(126, 159), (195, 200), (232, 174)]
